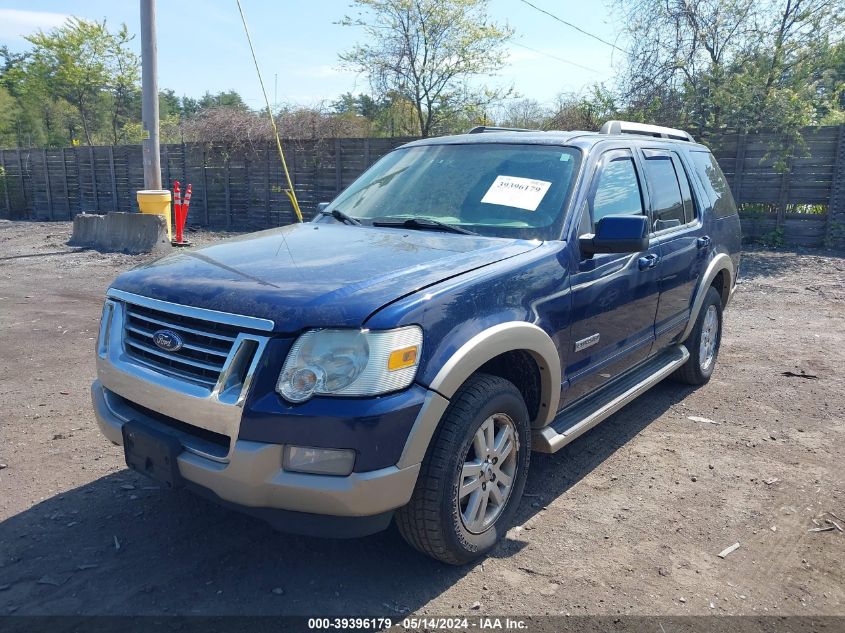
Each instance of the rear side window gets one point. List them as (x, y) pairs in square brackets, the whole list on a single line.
[(665, 190), (714, 183), (618, 190)]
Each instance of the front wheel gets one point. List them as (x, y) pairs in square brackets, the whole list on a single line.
[(473, 475), (703, 343)]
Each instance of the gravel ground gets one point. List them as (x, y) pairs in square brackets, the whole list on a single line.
[(629, 519)]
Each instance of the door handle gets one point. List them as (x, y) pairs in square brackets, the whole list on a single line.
[(703, 242), (648, 261)]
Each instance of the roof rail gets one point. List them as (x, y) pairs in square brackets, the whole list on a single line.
[(644, 129), (481, 129)]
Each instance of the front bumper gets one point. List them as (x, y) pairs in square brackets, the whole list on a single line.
[(253, 478)]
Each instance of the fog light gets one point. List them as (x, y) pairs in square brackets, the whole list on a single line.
[(318, 461)]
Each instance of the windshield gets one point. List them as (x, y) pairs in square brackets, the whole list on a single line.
[(498, 190)]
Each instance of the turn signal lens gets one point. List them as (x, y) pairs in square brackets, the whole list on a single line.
[(402, 358)]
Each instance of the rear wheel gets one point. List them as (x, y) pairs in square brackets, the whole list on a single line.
[(703, 342), (473, 475)]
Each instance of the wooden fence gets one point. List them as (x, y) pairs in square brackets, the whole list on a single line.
[(243, 190), (776, 181), (233, 189)]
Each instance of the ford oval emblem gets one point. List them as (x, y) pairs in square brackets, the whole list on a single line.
[(168, 340)]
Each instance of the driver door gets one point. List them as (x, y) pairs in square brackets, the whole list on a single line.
[(614, 296)]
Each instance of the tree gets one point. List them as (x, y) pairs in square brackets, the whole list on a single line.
[(123, 68), (72, 60), (226, 99), (428, 52), (527, 113), (585, 111), (715, 64)]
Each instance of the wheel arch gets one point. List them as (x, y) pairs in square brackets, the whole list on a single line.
[(721, 267), (476, 353)]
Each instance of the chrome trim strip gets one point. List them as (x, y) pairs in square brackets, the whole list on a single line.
[(548, 440), (236, 320), (178, 326)]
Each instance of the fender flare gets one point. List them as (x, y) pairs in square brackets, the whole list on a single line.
[(719, 263), (484, 346)]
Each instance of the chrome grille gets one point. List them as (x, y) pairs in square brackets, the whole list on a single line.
[(203, 355)]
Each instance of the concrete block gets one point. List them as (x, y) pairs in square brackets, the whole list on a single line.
[(121, 232)]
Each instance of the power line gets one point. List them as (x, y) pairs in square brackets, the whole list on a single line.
[(560, 59), (577, 28)]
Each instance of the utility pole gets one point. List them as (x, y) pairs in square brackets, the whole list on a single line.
[(149, 102)]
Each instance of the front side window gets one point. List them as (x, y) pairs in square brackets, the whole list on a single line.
[(617, 191), (493, 189)]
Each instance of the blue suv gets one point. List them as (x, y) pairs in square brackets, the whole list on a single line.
[(467, 300)]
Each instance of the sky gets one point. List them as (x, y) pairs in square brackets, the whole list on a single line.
[(202, 46)]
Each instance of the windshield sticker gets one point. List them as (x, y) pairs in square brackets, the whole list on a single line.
[(521, 193)]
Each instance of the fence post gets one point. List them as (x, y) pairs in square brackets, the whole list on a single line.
[(205, 183), (267, 183), (366, 153), (78, 164), (835, 230), (94, 178), (184, 165), (167, 181), (113, 180), (338, 168), (292, 155), (739, 166), (227, 188), (47, 184), (784, 188), (66, 188), (6, 183), (23, 185)]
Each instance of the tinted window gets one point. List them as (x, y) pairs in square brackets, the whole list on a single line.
[(686, 191), (666, 200), (494, 189), (714, 183), (617, 191)]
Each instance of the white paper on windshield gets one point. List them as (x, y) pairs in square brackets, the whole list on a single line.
[(512, 191)]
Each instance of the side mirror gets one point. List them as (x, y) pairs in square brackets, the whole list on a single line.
[(321, 206), (616, 234)]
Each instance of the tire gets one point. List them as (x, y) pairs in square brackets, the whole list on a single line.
[(436, 521), (698, 369)]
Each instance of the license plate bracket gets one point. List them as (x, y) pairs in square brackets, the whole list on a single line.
[(152, 452)]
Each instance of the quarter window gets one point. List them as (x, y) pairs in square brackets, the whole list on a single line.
[(714, 182), (617, 191)]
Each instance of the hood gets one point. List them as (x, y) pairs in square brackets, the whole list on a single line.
[(315, 274)]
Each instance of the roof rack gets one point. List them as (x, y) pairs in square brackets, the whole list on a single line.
[(482, 129), (644, 129)]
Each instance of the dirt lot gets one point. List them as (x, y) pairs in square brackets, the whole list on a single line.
[(628, 519)]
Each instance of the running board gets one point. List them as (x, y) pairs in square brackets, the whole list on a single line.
[(574, 422)]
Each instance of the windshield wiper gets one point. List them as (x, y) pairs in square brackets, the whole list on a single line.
[(424, 224), (340, 216)]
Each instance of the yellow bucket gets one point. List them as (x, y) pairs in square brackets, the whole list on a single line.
[(156, 201)]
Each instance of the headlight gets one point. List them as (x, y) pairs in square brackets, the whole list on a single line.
[(350, 363)]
